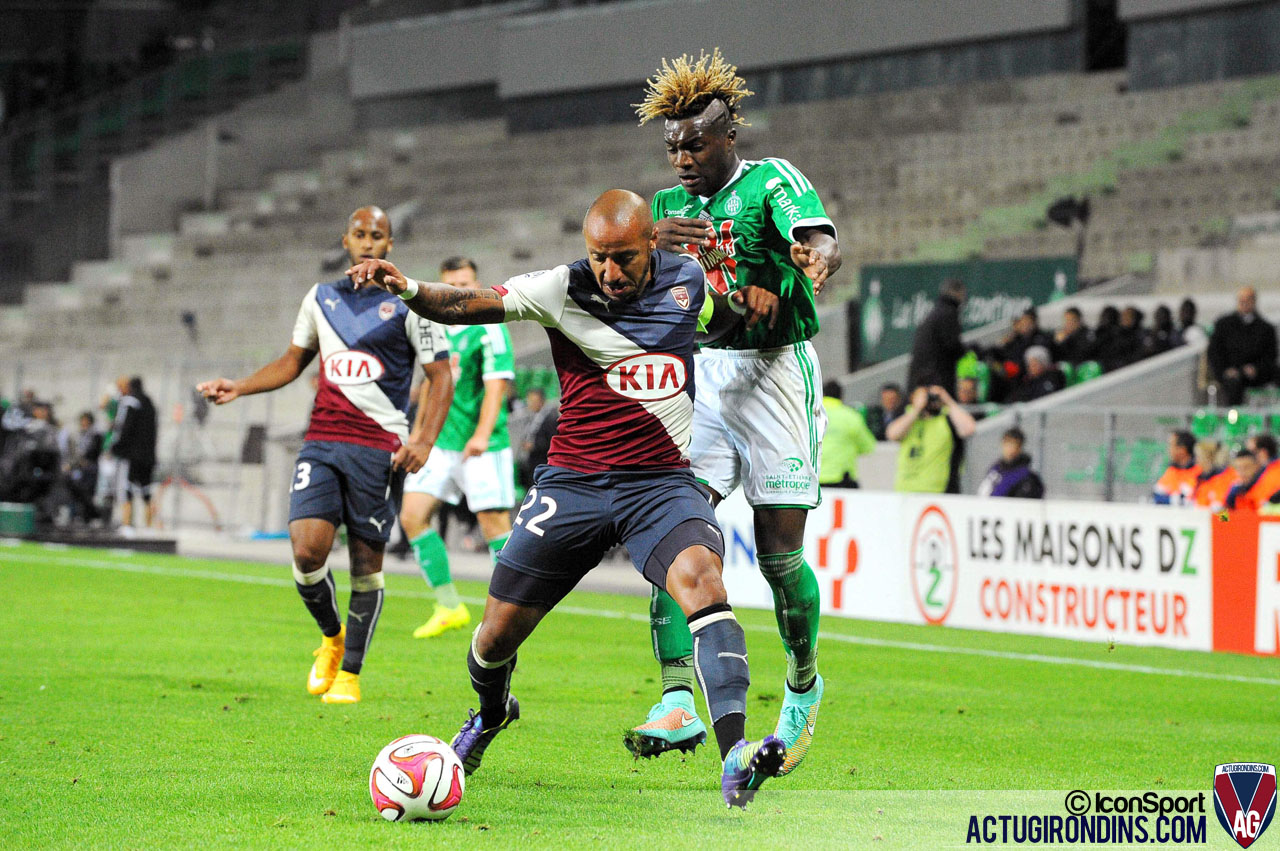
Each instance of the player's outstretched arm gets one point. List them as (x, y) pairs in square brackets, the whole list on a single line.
[(273, 376), (434, 398), (438, 302), (817, 253)]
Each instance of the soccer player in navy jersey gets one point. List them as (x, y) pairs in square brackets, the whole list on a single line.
[(622, 325), (359, 435)]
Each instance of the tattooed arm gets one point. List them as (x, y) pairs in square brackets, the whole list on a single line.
[(438, 302)]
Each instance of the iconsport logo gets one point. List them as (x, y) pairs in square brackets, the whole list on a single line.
[(647, 377), (349, 367), (1244, 797), (933, 559)]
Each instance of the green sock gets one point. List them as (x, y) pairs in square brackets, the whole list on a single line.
[(672, 643), (496, 545), (796, 604), (433, 560)]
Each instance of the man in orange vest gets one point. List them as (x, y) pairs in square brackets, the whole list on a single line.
[(1215, 481), (1177, 486), (1260, 480)]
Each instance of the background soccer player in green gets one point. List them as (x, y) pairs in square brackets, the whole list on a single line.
[(472, 457), (758, 415)]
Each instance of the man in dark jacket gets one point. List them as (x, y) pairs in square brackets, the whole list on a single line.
[(1039, 376), (937, 347), (135, 446), (1012, 475), (1242, 349), (1074, 341)]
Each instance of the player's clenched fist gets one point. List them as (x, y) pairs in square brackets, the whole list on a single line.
[(759, 304), (674, 234), (410, 456), (380, 273), (220, 391)]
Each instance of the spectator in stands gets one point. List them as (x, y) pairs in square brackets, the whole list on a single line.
[(890, 407), (1263, 447), (539, 443), (967, 392), (1216, 477), (524, 431), (1241, 497), (1253, 490), (1188, 329), (1106, 334), (1242, 349), (82, 469), (135, 448), (1039, 376), (937, 345), (1026, 332), (932, 432), (31, 464), (1163, 334), (847, 437), (1074, 341), (1177, 484), (1011, 475)]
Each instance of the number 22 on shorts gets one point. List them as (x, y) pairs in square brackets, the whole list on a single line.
[(535, 522)]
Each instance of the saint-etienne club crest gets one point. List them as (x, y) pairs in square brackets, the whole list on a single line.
[(681, 296), (733, 205), (1244, 797)]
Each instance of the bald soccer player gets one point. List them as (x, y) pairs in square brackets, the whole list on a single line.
[(358, 437), (621, 322)]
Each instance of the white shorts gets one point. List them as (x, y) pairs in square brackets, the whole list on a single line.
[(758, 421), (487, 481)]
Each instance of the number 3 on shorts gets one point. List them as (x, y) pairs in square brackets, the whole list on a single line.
[(304, 475), (529, 500)]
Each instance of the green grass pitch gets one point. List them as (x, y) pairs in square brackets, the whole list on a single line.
[(155, 701)]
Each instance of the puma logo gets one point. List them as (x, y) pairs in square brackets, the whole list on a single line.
[(742, 656), (354, 614), (332, 302), (599, 299), (378, 523)]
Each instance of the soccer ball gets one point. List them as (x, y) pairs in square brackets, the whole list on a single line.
[(416, 777)]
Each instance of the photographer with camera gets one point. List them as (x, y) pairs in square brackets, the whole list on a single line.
[(932, 433)]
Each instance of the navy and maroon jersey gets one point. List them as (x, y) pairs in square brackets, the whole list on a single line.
[(625, 368), (369, 343)]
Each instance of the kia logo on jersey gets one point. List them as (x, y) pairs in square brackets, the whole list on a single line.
[(647, 377), (348, 367)]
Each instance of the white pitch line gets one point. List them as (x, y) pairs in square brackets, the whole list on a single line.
[(248, 579)]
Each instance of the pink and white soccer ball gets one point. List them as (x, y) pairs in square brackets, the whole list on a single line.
[(416, 777)]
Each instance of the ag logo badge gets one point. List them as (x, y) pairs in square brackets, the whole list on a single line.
[(1244, 797), (932, 560), (386, 310), (681, 295)]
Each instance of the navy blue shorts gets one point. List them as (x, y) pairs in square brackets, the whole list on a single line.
[(570, 520), (344, 483)]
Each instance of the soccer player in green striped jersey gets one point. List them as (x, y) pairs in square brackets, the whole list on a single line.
[(758, 416), (471, 458)]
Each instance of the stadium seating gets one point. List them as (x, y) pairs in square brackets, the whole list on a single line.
[(939, 173)]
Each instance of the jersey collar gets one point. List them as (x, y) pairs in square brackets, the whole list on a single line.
[(742, 166)]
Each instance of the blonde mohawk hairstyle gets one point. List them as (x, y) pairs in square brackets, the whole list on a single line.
[(683, 87)]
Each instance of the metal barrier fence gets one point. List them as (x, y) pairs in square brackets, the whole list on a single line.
[(1092, 453)]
